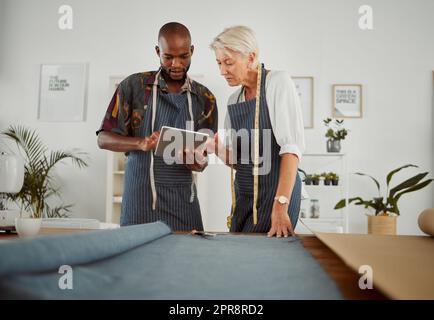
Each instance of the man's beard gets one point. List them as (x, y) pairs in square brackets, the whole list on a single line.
[(172, 73)]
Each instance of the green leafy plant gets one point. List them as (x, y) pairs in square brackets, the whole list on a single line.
[(308, 179), (315, 179), (335, 129), (333, 176), (38, 180), (330, 177), (326, 177), (389, 204)]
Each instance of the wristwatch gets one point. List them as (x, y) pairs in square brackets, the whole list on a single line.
[(282, 199)]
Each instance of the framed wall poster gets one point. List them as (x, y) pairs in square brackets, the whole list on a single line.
[(305, 87), (347, 101), (62, 92)]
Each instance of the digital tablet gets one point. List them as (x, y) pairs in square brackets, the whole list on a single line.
[(173, 140)]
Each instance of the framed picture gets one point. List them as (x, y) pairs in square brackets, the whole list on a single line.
[(62, 92), (347, 101), (305, 87)]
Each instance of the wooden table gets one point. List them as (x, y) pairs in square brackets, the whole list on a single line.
[(343, 275)]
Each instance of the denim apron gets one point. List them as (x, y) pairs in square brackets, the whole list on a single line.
[(154, 190), (242, 116)]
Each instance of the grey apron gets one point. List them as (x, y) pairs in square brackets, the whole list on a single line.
[(174, 200), (242, 116)]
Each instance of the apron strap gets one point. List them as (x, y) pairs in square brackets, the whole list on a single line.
[(154, 113), (190, 111), (234, 200)]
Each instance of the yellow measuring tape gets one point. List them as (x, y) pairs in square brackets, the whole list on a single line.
[(255, 159), (229, 221)]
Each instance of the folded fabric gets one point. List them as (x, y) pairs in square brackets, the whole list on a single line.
[(49, 252)]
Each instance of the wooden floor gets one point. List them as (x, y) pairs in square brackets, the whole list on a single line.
[(346, 278)]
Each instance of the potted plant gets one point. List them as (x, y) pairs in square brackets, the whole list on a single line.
[(334, 178), (315, 179), (327, 178), (39, 184), (386, 207), (307, 177), (327, 181), (335, 133)]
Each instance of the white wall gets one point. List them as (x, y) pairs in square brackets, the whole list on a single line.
[(394, 62)]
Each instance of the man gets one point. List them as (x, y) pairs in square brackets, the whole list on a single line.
[(141, 105)]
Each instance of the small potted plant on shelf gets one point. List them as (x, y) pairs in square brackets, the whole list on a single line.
[(386, 209), (334, 177), (315, 179), (327, 178), (335, 133), (307, 177), (38, 183)]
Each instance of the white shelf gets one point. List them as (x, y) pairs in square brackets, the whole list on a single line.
[(115, 172), (321, 220), (330, 219), (115, 180), (322, 186), (307, 226), (325, 154)]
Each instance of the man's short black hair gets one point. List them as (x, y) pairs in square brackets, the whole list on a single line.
[(173, 28)]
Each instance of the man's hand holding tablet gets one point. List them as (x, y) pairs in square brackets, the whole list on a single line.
[(149, 143)]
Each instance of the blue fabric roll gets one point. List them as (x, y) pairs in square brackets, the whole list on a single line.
[(49, 252), (149, 262)]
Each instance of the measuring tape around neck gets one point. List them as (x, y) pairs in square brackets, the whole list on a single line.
[(255, 157)]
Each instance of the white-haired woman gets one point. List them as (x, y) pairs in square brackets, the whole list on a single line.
[(267, 100)]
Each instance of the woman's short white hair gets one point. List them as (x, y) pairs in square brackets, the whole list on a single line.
[(239, 39)]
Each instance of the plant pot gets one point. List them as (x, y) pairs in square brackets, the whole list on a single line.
[(382, 224), (315, 182), (327, 182), (335, 182), (27, 227), (333, 145), (308, 182)]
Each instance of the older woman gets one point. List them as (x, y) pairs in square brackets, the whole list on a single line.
[(266, 201)]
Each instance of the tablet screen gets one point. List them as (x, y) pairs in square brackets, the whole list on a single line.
[(173, 140)]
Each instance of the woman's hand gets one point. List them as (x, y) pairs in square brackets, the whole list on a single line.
[(149, 143), (212, 144), (194, 160), (280, 223)]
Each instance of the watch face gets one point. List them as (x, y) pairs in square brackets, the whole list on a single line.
[(283, 200)]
